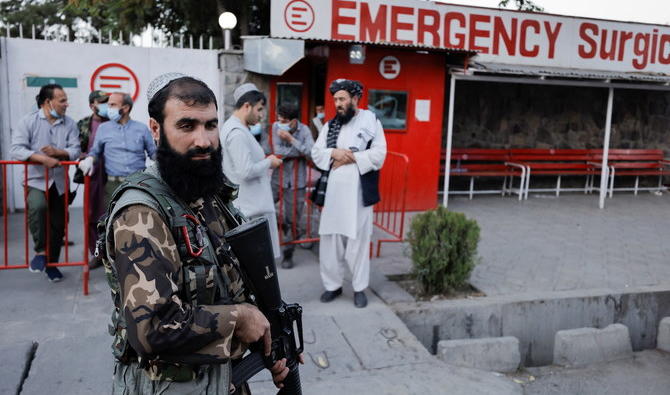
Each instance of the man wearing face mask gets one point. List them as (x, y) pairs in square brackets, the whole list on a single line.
[(256, 131), (123, 143), (244, 161), (317, 121), (88, 126), (46, 136), (293, 141)]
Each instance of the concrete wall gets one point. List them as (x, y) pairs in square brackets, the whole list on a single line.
[(535, 319), (233, 75), (496, 115), (21, 58)]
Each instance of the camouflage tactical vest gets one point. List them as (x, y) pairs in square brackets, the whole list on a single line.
[(202, 285)]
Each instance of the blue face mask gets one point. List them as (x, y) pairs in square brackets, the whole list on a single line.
[(114, 114), (53, 113), (256, 129), (102, 110), (284, 126), (320, 115)]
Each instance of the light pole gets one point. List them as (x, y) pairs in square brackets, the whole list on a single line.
[(227, 21)]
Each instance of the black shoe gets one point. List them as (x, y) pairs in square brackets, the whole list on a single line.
[(287, 263), (360, 300), (328, 296)]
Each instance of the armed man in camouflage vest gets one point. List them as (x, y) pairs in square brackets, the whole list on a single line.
[(181, 307), (88, 126)]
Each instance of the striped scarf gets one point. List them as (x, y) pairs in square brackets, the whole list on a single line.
[(334, 127), (319, 193)]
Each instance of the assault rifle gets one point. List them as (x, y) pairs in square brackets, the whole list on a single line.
[(252, 245)]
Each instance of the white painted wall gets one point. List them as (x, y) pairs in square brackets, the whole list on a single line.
[(20, 58)]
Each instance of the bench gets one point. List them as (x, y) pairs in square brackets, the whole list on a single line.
[(524, 163), (477, 162), (635, 163), (555, 162)]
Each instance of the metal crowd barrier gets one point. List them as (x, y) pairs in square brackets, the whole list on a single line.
[(67, 262), (389, 213), (310, 212)]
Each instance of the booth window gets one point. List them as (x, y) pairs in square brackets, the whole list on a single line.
[(289, 93), (390, 107)]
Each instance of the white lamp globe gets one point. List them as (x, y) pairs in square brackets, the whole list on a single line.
[(227, 20)]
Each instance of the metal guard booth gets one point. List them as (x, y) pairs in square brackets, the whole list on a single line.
[(410, 55)]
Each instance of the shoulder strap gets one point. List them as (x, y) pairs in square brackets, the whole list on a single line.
[(146, 189)]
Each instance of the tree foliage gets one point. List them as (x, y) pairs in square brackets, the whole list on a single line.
[(522, 5), (196, 18), (172, 17), (48, 17)]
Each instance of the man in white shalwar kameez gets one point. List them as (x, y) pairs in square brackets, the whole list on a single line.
[(346, 222), (244, 161)]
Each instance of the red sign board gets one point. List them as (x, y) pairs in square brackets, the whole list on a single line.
[(115, 77), (499, 36), (299, 16), (389, 67)]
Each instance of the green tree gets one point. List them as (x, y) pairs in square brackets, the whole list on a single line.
[(179, 16), (522, 5), (172, 17), (50, 17)]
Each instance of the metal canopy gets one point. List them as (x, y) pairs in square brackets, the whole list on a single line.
[(559, 72), (272, 56), (548, 76)]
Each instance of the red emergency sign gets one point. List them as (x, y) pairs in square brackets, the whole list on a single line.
[(389, 67), (299, 16), (115, 77), (497, 36)]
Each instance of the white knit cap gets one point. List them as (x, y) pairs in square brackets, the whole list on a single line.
[(160, 82), (242, 89)]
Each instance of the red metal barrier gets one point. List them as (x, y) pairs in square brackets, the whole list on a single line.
[(389, 213), (310, 210), (66, 262)]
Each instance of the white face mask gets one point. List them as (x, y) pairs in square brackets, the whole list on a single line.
[(284, 126), (256, 129), (53, 112), (114, 114), (320, 115)]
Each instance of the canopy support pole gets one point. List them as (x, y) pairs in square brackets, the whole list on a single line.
[(606, 148)]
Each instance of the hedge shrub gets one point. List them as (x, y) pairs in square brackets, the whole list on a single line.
[(444, 249)]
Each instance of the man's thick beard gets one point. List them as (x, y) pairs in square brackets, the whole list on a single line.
[(190, 179), (346, 117)]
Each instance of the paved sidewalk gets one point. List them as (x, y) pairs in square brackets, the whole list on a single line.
[(543, 244), (348, 350), (565, 243), (369, 351)]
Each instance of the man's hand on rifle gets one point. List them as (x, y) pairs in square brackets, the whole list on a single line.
[(280, 371), (252, 326)]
